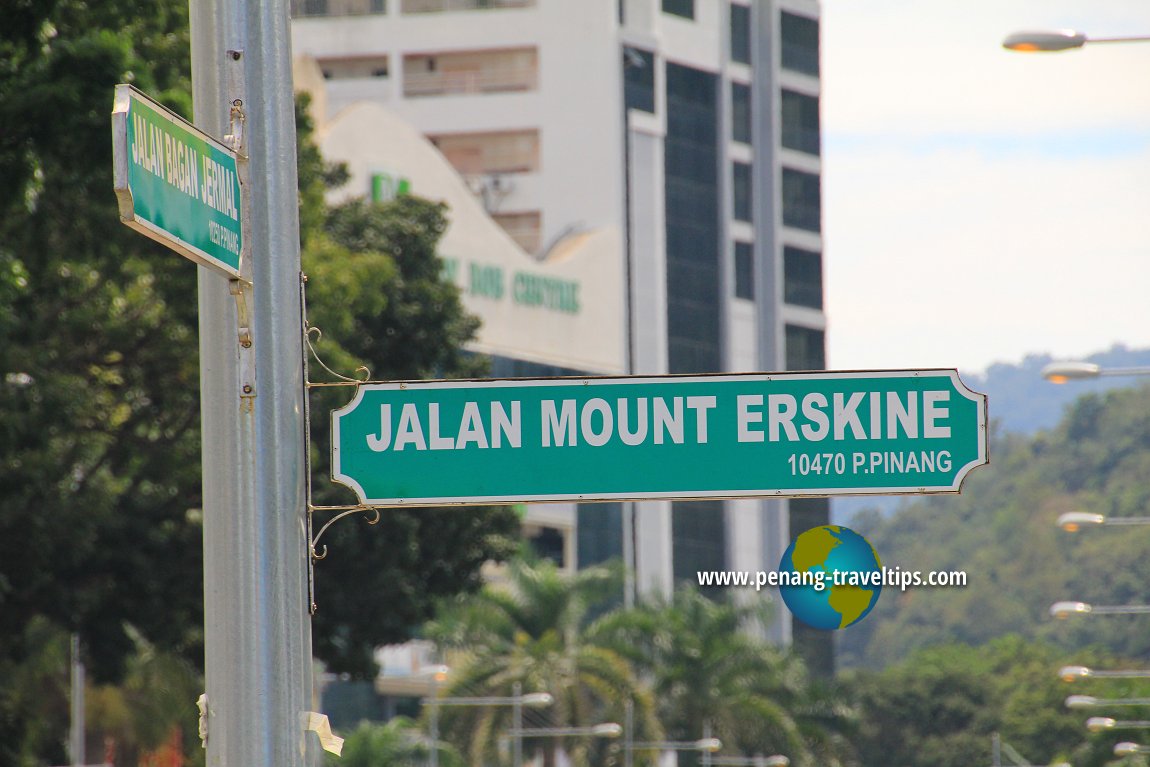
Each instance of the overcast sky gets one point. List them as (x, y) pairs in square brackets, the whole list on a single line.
[(980, 204)]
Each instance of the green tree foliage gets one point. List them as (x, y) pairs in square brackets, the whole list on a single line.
[(534, 631), (98, 379), (398, 743), (99, 389), (706, 667), (941, 706), (375, 292), (1001, 530)]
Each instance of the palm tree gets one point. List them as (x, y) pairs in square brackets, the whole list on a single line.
[(398, 743), (532, 632), (707, 669)]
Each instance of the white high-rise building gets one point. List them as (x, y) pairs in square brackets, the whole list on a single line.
[(687, 131)]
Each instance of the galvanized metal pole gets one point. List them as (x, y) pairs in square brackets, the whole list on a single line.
[(76, 731), (257, 631), (517, 724), (628, 733)]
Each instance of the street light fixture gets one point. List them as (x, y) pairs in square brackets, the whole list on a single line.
[(1089, 701), (1127, 748), (1061, 372), (602, 730), (1052, 40), (518, 733), (774, 760), (517, 700), (1072, 673), (704, 744), (1103, 723), (1066, 609), (1073, 521)]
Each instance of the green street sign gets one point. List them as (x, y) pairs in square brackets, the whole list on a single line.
[(684, 437), (175, 183)]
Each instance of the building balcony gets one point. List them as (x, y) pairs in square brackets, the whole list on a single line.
[(447, 6), (486, 153), (313, 8), (505, 80)]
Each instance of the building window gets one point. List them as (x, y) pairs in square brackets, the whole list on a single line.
[(744, 191), (802, 277), (354, 67), (800, 122), (698, 540), (471, 72), (598, 532), (814, 646), (802, 206), (745, 270), (639, 79), (806, 348), (695, 248), (741, 112), (800, 43), (547, 543), (684, 8), (741, 34)]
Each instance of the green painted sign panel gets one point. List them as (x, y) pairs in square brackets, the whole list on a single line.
[(175, 183), (714, 436)]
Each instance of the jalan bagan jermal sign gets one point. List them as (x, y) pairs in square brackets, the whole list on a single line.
[(175, 183), (659, 437)]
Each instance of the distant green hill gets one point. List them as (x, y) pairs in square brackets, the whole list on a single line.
[(1021, 402), (1001, 531)]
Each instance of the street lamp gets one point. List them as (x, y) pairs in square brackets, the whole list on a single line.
[(1127, 748), (1066, 609), (774, 760), (703, 744), (1103, 723), (518, 733), (1088, 701), (1072, 673), (706, 745), (1073, 521), (1046, 41), (1061, 372), (602, 730), (517, 700)]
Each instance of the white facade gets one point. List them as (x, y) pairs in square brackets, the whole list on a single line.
[(530, 101)]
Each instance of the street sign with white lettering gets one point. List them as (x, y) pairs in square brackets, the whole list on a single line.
[(175, 183), (682, 437)]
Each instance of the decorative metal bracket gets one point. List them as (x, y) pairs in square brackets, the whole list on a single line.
[(345, 511), (362, 370), (314, 553)]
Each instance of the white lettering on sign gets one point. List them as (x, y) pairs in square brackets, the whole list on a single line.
[(218, 189), (660, 420), (596, 420), (473, 431), (224, 237), (840, 418), (181, 167)]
